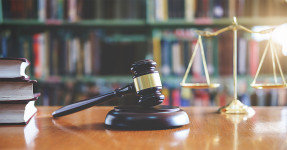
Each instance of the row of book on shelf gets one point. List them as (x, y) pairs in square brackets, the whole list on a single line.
[(172, 50), (57, 53), (201, 11), (55, 11), (75, 91), (70, 54), (17, 95), (188, 97)]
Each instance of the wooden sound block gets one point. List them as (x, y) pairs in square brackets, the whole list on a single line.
[(146, 118)]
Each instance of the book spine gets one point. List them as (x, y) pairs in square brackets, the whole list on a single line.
[(42, 10), (197, 64), (88, 58), (60, 10), (150, 10), (1, 12), (157, 51), (72, 10), (185, 97), (177, 65), (4, 47), (253, 57), (189, 10), (166, 94), (166, 57), (176, 97), (37, 58)]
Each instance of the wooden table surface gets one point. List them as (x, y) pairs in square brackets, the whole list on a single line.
[(267, 129)]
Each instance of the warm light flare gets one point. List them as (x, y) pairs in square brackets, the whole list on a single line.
[(279, 35)]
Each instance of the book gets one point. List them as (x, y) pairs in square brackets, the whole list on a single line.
[(72, 11), (88, 59), (189, 10), (197, 67), (156, 48), (166, 57), (13, 67), (253, 57), (186, 97), (166, 93), (242, 60), (14, 89), (176, 97), (177, 62), (19, 112), (37, 50), (42, 10), (95, 56), (5, 38), (225, 52)]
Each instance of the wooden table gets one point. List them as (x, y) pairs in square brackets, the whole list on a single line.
[(267, 129)]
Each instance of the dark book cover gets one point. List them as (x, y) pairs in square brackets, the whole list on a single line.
[(225, 54), (186, 53), (26, 52), (96, 49), (31, 9), (166, 57), (53, 54), (170, 9), (6, 8), (199, 9), (88, 9), (108, 9), (17, 9), (20, 59), (20, 79)]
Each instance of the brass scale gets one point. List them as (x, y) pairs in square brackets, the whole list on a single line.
[(235, 106)]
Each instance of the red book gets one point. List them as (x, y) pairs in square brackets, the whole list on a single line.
[(37, 55), (253, 57), (176, 97)]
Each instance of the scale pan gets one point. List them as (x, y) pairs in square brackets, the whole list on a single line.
[(199, 85), (268, 86)]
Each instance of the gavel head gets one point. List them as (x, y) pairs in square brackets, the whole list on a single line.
[(147, 83)]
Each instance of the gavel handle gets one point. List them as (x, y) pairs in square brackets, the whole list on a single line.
[(84, 104)]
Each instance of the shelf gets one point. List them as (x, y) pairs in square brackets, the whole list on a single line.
[(23, 22), (128, 23), (141, 22), (126, 38), (124, 78), (106, 79), (220, 22)]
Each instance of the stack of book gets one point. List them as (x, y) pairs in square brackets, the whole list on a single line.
[(16, 92)]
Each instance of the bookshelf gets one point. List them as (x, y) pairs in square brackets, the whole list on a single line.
[(135, 28)]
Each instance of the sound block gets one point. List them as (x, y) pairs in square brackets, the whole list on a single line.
[(146, 118)]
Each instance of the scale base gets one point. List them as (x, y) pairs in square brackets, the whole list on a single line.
[(142, 118), (236, 107)]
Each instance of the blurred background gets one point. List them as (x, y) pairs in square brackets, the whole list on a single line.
[(83, 48)]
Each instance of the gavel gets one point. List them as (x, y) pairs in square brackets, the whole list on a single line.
[(146, 84)]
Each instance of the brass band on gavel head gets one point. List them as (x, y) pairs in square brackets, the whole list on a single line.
[(147, 81)]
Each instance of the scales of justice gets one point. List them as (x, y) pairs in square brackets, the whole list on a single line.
[(235, 106)]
